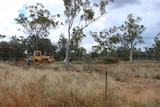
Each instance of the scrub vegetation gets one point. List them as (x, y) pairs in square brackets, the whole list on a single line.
[(135, 84)]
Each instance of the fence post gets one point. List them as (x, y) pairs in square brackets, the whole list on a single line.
[(106, 86)]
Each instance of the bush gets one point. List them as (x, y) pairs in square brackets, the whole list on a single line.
[(156, 77), (115, 60), (110, 60)]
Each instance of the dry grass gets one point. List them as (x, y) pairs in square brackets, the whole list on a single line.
[(34, 87), (80, 85)]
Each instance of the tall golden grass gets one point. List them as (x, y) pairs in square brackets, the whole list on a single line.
[(80, 85)]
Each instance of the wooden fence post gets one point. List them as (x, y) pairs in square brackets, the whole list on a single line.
[(106, 85)]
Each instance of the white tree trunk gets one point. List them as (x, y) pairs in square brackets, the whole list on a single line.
[(67, 48), (67, 52), (131, 50)]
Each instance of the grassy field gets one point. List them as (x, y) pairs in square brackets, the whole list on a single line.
[(134, 84)]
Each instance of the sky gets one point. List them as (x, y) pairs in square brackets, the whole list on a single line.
[(148, 10)]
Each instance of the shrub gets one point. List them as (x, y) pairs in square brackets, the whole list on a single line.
[(157, 76), (115, 60), (110, 60)]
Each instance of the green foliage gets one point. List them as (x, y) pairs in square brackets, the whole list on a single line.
[(94, 54), (11, 49), (131, 32), (156, 76), (4, 49), (124, 56), (123, 53), (76, 51), (16, 48), (83, 11), (110, 60), (89, 14), (106, 39), (154, 51), (156, 47), (61, 47), (37, 23)]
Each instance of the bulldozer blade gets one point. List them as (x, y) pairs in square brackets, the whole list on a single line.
[(20, 62)]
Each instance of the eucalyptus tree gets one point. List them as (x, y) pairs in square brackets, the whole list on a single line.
[(46, 46), (80, 53), (37, 22), (131, 33), (156, 46), (80, 14), (61, 46), (4, 49), (77, 36), (16, 48), (106, 40)]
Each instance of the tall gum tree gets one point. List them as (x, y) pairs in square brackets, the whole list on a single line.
[(80, 14), (37, 22), (106, 39), (131, 33)]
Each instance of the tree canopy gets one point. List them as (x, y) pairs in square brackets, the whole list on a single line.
[(83, 12), (131, 32), (37, 24)]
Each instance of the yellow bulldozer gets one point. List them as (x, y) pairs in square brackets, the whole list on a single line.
[(37, 58)]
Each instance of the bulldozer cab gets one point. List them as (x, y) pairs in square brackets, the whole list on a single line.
[(37, 53), (37, 56)]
